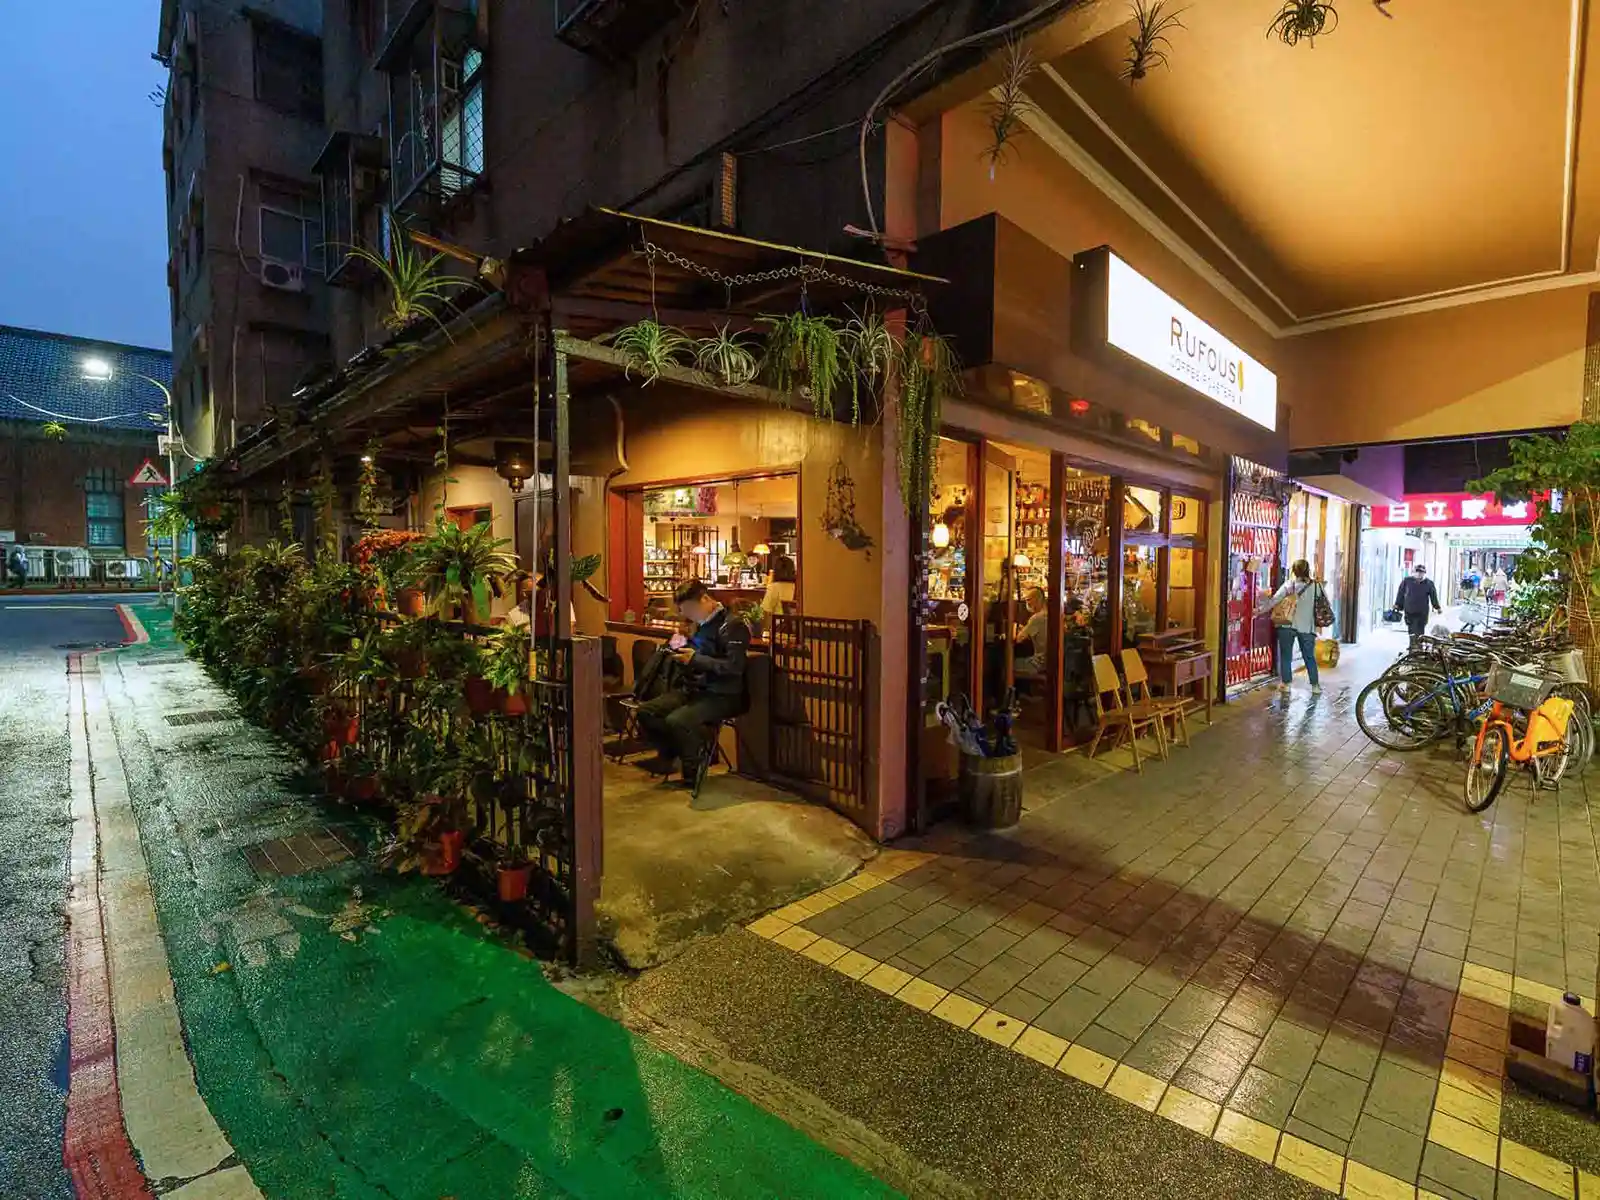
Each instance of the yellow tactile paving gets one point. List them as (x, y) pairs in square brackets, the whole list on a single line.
[(1477, 973), (1083, 1063), (921, 994), (795, 938), (1469, 1106), (1247, 1135), (1190, 1111), (1470, 1079), (1541, 1170), (958, 1010), (768, 926), (1588, 1186), (1311, 1163), (854, 964), (1361, 1182), (824, 951), (997, 1027), (1466, 1139), (886, 978), (1134, 1086), (1533, 990), (1481, 1032), (1485, 1058), (1042, 1047), (793, 914)]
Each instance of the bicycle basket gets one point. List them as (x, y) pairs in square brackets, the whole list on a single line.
[(1517, 687), (1569, 665)]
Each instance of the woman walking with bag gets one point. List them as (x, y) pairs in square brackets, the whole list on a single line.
[(1299, 608)]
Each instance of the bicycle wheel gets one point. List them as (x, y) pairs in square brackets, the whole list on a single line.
[(1403, 712), (1486, 769)]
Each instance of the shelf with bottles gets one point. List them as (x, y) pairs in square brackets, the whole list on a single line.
[(947, 574)]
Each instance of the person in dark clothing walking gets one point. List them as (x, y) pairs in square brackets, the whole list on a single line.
[(708, 686), (1416, 596)]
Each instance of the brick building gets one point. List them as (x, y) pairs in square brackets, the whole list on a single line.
[(72, 435)]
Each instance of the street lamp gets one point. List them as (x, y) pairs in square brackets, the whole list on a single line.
[(101, 371)]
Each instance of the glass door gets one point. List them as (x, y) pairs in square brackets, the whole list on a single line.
[(1000, 599)]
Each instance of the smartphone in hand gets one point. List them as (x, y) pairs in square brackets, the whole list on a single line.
[(677, 641)]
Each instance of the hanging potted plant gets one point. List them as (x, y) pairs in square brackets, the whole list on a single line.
[(506, 665), (803, 355)]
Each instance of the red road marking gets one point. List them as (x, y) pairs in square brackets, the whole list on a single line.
[(98, 1155)]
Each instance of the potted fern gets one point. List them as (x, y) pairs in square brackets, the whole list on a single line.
[(458, 570)]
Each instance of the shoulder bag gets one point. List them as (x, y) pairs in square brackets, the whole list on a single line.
[(1321, 610), (1283, 610)]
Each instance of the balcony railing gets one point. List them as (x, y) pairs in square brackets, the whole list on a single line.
[(612, 29)]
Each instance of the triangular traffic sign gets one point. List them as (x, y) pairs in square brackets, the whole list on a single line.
[(148, 475)]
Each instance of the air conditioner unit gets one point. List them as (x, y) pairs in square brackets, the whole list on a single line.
[(285, 276), (117, 568)]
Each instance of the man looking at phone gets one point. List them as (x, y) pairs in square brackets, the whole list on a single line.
[(708, 685)]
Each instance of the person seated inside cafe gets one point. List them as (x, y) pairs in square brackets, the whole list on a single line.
[(780, 586), (707, 687), (1032, 642)]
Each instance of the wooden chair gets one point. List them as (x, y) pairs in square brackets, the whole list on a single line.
[(1128, 719), (1172, 708)]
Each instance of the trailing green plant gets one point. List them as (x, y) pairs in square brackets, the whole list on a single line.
[(871, 350), (54, 430), (929, 374), (1008, 106), (651, 347), (506, 658), (803, 355), (368, 507), (1561, 475), (1148, 43), (460, 569), (416, 282), (323, 498), (1304, 21), (727, 357)]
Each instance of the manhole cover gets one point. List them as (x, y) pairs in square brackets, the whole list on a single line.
[(205, 716), (159, 660), (296, 855)]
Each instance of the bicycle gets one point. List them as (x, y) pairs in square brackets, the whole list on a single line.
[(1527, 724)]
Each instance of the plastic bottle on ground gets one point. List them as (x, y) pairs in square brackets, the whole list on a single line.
[(1569, 1035)]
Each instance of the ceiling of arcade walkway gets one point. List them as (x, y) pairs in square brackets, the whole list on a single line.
[(1449, 146)]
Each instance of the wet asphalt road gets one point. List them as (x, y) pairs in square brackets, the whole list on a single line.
[(35, 830)]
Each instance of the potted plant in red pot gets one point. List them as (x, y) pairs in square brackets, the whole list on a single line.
[(507, 665), (460, 570)]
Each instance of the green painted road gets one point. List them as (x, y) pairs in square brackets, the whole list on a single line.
[(358, 1035)]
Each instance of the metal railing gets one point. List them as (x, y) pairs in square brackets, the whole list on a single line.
[(80, 567)]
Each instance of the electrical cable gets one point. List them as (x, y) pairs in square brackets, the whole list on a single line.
[(1020, 24)]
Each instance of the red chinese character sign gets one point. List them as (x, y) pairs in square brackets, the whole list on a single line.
[(1440, 509)]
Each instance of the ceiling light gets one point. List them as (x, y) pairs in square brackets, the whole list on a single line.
[(941, 535)]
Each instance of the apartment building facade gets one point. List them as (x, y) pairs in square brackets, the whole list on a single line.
[(243, 120)]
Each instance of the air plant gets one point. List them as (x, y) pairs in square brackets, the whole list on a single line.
[(1304, 20), (54, 430), (1008, 105), (1148, 44), (416, 281), (651, 346), (929, 373), (727, 357), (802, 354)]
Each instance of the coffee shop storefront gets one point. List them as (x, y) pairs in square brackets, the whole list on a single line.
[(1082, 497)]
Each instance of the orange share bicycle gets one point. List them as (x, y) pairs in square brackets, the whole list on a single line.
[(1526, 724)]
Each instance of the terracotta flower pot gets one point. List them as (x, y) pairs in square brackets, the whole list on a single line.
[(330, 751), (342, 728), (516, 704), (513, 883), (450, 843), (362, 787), (409, 602), (480, 695)]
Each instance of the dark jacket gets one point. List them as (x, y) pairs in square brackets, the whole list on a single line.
[(1416, 595), (719, 647)]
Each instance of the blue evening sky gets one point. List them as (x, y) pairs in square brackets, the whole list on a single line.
[(82, 206)]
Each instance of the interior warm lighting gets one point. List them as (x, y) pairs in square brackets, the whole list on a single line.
[(1022, 562), (762, 548), (96, 368), (941, 535), (700, 550), (513, 462), (1077, 406), (366, 459)]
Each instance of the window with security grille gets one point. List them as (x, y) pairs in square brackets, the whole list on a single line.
[(102, 488), (288, 69), (291, 227), (436, 112)]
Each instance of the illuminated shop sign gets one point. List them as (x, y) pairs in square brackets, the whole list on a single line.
[(1451, 508), (1146, 323)]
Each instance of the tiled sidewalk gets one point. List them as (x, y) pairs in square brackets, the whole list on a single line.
[(1283, 938)]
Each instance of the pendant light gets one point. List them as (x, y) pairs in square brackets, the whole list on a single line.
[(735, 559), (940, 535)]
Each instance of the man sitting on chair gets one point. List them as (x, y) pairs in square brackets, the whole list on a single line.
[(708, 687)]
